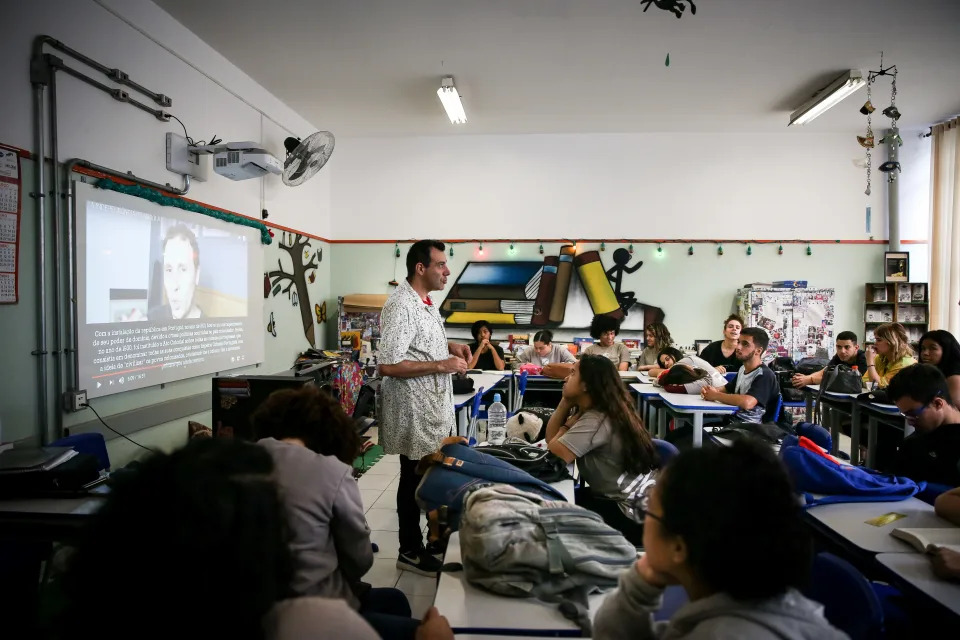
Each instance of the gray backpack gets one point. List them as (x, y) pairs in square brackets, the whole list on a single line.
[(520, 544)]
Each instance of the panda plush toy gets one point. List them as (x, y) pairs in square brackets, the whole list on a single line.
[(525, 426)]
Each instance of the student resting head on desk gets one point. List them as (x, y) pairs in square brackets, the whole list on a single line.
[(486, 355), (194, 543), (722, 353), (688, 374), (724, 523), (932, 451), (657, 338), (848, 353), (596, 425), (888, 355), (755, 389), (605, 329), (942, 350)]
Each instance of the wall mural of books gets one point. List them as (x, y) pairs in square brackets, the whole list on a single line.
[(566, 290)]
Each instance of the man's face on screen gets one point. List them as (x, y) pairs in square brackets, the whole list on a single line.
[(180, 276)]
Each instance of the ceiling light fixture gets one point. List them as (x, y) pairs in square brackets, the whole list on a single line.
[(451, 101), (828, 97)]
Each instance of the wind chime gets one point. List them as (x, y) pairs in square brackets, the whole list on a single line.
[(890, 167)]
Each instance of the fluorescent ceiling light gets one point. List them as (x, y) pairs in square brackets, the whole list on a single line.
[(451, 101), (828, 97)]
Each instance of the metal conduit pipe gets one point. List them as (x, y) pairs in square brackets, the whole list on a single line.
[(893, 192), (39, 194), (58, 352)]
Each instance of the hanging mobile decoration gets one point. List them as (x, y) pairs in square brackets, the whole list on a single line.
[(891, 168), (867, 142)]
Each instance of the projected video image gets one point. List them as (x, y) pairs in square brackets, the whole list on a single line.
[(163, 294), (146, 267)]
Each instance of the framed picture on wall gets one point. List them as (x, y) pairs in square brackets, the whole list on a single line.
[(700, 344), (896, 266)]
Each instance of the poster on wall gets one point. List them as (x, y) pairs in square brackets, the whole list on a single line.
[(9, 224), (565, 290)]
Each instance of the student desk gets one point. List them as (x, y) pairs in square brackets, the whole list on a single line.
[(462, 402), (914, 569), (470, 609), (686, 405), (47, 519), (877, 413), (846, 523), (845, 403), (647, 396)]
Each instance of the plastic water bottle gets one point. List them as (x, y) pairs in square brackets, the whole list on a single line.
[(496, 421)]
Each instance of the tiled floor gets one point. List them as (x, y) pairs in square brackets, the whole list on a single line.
[(378, 487)]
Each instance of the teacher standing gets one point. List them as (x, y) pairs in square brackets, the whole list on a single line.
[(416, 396)]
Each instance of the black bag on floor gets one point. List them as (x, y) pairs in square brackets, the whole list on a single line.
[(766, 433), (539, 463)]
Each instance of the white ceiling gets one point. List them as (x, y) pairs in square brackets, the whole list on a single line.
[(372, 67)]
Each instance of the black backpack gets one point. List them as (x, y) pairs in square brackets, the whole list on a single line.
[(838, 378), (784, 368), (809, 366), (539, 463)]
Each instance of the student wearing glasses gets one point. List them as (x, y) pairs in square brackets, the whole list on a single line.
[(932, 452), (724, 523)]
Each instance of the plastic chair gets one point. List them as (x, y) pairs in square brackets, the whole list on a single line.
[(665, 450), (778, 409), (92, 443), (521, 389), (849, 601), (474, 414), (730, 375)]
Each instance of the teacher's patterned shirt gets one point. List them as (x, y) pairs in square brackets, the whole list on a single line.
[(415, 413)]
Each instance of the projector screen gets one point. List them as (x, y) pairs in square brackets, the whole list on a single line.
[(162, 294)]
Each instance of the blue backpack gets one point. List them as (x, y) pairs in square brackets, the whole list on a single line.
[(815, 473), (457, 469)]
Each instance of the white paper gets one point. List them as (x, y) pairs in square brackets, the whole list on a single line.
[(8, 257)]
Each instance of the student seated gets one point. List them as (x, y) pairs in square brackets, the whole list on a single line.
[(486, 355), (657, 338), (685, 378), (932, 452), (722, 354), (671, 357), (313, 444), (942, 350), (724, 523), (605, 329), (194, 545), (755, 390), (596, 425), (890, 354), (848, 353), (545, 352)]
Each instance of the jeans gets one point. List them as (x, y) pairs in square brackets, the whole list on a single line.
[(408, 511), (388, 612)]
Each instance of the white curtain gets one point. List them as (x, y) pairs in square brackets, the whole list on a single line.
[(945, 228)]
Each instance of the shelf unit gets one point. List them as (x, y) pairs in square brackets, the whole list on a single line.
[(905, 302)]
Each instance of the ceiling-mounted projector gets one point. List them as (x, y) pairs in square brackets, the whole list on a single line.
[(241, 160)]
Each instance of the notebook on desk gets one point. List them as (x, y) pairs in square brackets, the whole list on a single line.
[(928, 540), (23, 460)]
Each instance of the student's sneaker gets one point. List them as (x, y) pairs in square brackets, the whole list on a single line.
[(419, 561), (437, 549)]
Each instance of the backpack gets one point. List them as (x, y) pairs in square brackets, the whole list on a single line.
[(539, 463), (814, 471), (808, 366), (521, 544), (838, 378), (449, 474), (784, 368), (766, 433)]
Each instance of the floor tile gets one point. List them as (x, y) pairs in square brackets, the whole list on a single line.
[(386, 500), (387, 542), (380, 483), (369, 497), (383, 519), (419, 605), (391, 458), (384, 573), (413, 584), (382, 468), (393, 484)]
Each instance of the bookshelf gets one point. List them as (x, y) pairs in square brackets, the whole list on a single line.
[(905, 302)]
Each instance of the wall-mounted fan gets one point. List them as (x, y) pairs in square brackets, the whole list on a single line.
[(306, 157)]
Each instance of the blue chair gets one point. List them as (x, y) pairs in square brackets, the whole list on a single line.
[(850, 603), (474, 414), (521, 389), (778, 408), (730, 375), (92, 443), (665, 450)]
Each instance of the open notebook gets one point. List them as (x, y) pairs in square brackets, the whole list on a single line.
[(929, 540)]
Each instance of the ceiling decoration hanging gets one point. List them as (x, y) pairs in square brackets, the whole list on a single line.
[(890, 167), (677, 7)]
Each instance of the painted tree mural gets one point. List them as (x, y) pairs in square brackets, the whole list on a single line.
[(303, 261)]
